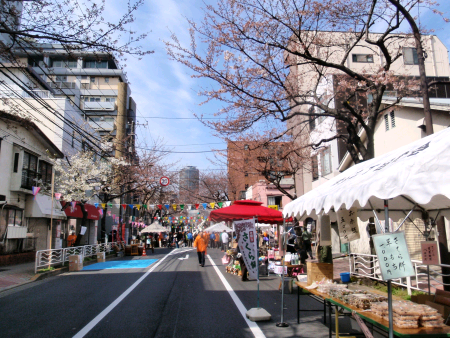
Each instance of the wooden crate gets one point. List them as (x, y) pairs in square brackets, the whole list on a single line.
[(317, 271)]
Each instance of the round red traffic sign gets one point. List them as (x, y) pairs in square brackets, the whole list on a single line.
[(164, 181)]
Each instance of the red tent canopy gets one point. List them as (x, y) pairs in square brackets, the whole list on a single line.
[(92, 212), (245, 210)]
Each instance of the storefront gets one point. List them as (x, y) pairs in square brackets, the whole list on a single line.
[(38, 214), (85, 231)]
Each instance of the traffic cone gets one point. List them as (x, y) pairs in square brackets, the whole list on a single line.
[(143, 252)]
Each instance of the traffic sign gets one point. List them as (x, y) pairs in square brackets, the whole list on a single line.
[(164, 181)]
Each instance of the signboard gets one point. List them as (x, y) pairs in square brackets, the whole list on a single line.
[(83, 230), (274, 207), (164, 181), (246, 238), (430, 253), (348, 225), (393, 255)]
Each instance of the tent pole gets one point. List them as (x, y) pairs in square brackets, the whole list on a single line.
[(257, 260), (389, 285), (282, 323)]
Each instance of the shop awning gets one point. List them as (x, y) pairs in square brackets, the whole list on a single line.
[(416, 175), (91, 210), (41, 207)]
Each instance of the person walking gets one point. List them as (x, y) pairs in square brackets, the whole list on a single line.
[(212, 239), (217, 240), (306, 237), (179, 239), (224, 238), (201, 244), (190, 238)]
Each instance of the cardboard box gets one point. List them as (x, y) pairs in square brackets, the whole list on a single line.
[(101, 257), (75, 263), (75, 259), (317, 271), (443, 309)]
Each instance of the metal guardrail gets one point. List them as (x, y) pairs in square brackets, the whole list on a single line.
[(45, 258), (364, 265)]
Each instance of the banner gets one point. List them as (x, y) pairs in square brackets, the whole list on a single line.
[(246, 238), (430, 253), (348, 225)]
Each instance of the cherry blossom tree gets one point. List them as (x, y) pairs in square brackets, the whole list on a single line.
[(286, 61)]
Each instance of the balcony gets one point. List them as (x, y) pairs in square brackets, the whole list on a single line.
[(99, 105), (62, 85)]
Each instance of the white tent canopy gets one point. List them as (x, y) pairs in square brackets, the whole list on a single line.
[(218, 227), (154, 227), (416, 173)]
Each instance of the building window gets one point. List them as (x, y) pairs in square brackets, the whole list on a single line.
[(96, 64), (246, 147), (92, 79), (314, 168), (365, 58), (91, 99), (29, 171), (325, 161), (64, 63), (410, 56), (110, 99), (45, 172), (386, 122), (392, 114), (84, 77), (15, 217), (274, 200), (106, 79), (16, 162), (312, 119)]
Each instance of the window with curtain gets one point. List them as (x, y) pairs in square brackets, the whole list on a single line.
[(29, 171), (325, 161), (45, 172), (410, 56)]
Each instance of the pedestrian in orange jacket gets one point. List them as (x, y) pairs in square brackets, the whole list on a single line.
[(201, 243)]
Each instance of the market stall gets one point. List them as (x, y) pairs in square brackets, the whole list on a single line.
[(409, 182)]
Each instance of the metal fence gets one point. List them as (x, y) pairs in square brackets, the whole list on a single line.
[(426, 277), (45, 258)]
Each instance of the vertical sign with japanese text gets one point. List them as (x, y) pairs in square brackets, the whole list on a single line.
[(348, 225), (430, 253), (393, 255), (246, 235)]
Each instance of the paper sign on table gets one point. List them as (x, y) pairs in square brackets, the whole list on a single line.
[(348, 225), (430, 253), (393, 255)]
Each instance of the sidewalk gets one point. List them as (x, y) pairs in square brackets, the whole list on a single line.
[(14, 275)]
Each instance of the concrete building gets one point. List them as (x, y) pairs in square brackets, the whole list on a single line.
[(269, 195), (189, 184), (24, 159), (394, 128), (94, 83)]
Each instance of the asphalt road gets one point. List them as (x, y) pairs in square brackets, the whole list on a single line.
[(171, 298)]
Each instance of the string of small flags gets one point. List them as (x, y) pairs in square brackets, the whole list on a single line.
[(174, 207)]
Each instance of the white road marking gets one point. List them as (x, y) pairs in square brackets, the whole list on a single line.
[(180, 251), (187, 256), (252, 325), (85, 330)]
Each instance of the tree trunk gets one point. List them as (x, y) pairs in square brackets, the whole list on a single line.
[(83, 224)]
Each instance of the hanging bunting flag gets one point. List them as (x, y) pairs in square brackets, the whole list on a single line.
[(196, 206), (144, 206), (73, 205), (227, 203), (124, 206), (103, 205), (167, 206), (109, 212), (174, 206), (204, 205), (35, 191), (138, 206), (57, 196), (114, 217), (182, 206), (131, 206), (96, 205), (220, 204), (159, 206), (156, 217), (151, 206), (100, 211), (212, 205), (110, 205)]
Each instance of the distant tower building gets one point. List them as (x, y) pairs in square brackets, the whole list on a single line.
[(189, 184)]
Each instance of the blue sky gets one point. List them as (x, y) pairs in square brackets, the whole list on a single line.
[(164, 88)]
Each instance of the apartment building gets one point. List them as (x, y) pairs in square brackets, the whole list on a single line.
[(246, 164), (394, 128), (94, 83)]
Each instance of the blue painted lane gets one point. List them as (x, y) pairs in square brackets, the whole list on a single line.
[(129, 264)]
